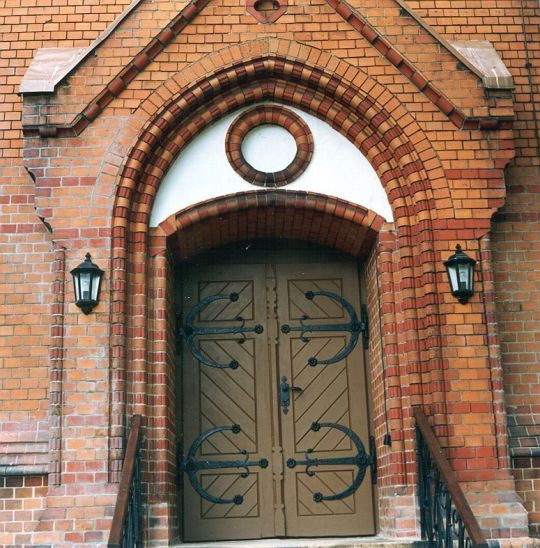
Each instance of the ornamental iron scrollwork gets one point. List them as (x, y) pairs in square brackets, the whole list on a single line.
[(190, 331), (362, 460), (446, 520), (191, 465), (354, 327)]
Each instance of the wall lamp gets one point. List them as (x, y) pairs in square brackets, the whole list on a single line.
[(87, 284), (460, 269)]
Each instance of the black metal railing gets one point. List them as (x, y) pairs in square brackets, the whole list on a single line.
[(126, 528), (446, 519)]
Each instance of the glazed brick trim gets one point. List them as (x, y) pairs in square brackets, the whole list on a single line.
[(376, 123), (407, 197), (530, 460), (264, 115), (273, 213), (56, 354)]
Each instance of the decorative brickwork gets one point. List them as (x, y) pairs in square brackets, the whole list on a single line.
[(155, 47), (278, 116), (97, 150), (263, 214), (56, 371), (515, 250), (266, 11), (427, 224), (376, 138), (155, 158)]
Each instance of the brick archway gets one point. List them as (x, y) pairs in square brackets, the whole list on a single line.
[(268, 214), (297, 215), (366, 114)]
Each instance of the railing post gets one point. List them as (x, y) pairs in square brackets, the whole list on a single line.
[(126, 528)]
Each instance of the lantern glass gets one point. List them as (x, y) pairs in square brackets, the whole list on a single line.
[(86, 283), (452, 274), (465, 276), (95, 284)]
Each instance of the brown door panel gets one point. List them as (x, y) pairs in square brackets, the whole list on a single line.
[(276, 500)]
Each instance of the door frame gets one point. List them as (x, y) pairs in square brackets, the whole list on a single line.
[(279, 252)]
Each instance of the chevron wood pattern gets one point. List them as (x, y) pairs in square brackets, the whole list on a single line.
[(226, 310), (214, 397), (278, 501), (227, 485), (330, 394), (325, 396), (324, 482), (320, 308), (228, 396)]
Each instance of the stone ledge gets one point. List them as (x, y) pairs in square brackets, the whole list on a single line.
[(24, 470), (525, 452), (351, 542), (485, 58)]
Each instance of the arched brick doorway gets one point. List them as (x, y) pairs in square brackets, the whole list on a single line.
[(403, 254), (285, 215)]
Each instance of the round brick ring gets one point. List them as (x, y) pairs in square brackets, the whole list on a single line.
[(269, 115)]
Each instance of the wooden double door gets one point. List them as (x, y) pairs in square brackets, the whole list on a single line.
[(275, 417)]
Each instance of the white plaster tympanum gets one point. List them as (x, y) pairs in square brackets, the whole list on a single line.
[(202, 171)]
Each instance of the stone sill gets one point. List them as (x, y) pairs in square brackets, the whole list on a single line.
[(351, 542), (525, 452), (23, 470)]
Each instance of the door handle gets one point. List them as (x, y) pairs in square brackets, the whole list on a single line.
[(285, 390)]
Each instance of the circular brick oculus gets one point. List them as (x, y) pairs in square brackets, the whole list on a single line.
[(269, 148), (262, 117)]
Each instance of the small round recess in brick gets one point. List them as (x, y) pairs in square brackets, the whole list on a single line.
[(269, 115)]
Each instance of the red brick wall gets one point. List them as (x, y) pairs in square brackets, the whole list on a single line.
[(26, 249), (22, 501), (516, 228), (467, 169), (29, 282), (516, 240)]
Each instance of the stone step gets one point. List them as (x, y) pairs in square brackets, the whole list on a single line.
[(342, 542)]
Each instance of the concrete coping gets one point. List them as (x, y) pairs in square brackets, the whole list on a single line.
[(51, 65), (485, 58), (479, 56), (525, 451), (48, 67)]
